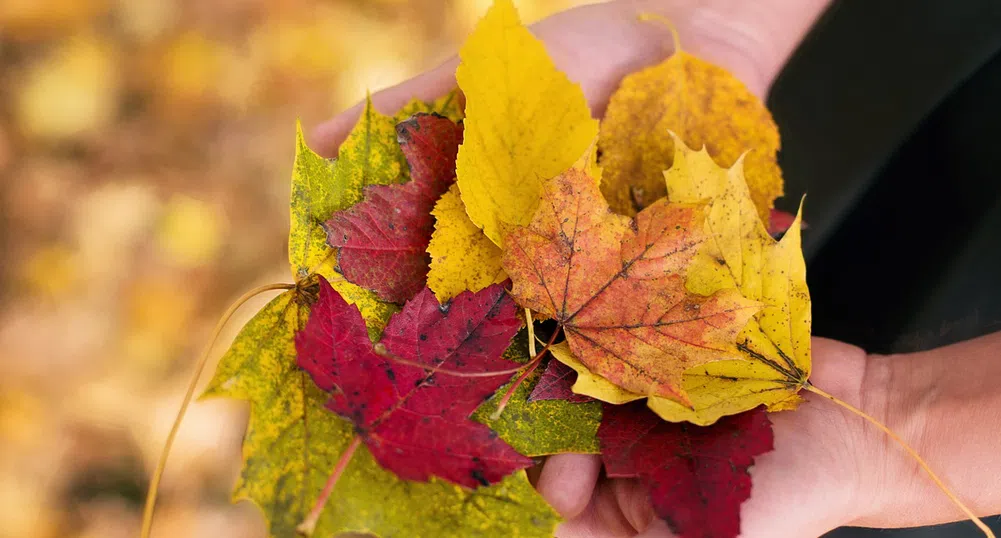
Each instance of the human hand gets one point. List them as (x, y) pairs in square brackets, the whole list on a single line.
[(825, 471), (813, 481), (597, 45)]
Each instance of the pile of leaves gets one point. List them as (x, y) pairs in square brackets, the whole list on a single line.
[(480, 286)]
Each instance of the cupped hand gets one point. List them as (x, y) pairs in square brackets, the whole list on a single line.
[(597, 45), (814, 480)]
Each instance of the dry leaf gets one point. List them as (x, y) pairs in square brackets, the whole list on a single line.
[(705, 105)]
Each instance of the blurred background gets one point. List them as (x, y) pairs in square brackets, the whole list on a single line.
[(145, 156)]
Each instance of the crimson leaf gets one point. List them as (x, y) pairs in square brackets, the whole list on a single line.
[(556, 383), (415, 420), (382, 240), (697, 475)]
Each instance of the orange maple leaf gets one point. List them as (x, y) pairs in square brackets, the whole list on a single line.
[(617, 286)]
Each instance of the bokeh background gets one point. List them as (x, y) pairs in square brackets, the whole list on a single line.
[(145, 156)]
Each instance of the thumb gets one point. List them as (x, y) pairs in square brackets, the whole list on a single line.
[(427, 86), (595, 45)]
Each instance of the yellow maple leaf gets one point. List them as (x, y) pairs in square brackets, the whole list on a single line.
[(525, 122), (462, 257), (705, 105), (775, 344)]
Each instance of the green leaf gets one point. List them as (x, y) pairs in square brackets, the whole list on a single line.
[(369, 156), (448, 106), (293, 443), (544, 427)]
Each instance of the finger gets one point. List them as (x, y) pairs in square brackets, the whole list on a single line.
[(595, 45), (427, 86), (633, 499), (602, 518), (657, 529), (534, 472), (567, 482)]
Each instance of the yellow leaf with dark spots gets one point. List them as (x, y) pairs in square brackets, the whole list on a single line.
[(462, 257)]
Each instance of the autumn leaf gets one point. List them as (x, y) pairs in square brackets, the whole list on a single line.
[(318, 190), (589, 384), (697, 475), (382, 240), (617, 289), (448, 106), (775, 345), (462, 257), (774, 348), (293, 442), (704, 105), (369, 156), (556, 383), (415, 420), (540, 428), (525, 122)]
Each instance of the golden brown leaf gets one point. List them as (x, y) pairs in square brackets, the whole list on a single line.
[(706, 106), (617, 287), (774, 347)]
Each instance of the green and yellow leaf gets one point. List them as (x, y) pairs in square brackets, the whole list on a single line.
[(293, 443), (541, 428), (462, 257)]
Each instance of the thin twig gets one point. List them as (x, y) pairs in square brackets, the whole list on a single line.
[(154, 484), (532, 365), (938, 482)]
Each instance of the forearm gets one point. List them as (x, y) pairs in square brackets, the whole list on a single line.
[(947, 403)]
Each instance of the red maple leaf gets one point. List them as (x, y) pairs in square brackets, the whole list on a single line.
[(556, 384), (415, 420), (697, 475), (382, 241)]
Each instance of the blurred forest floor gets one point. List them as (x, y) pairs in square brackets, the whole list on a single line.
[(145, 155)]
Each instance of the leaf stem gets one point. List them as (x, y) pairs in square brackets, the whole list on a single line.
[(531, 331), (308, 525), (532, 365), (655, 17), (924, 465), (380, 350), (154, 484)]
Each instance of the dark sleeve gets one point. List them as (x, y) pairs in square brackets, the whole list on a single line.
[(890, 115)]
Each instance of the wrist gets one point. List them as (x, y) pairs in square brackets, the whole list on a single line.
[(940, 403), (886, 469)]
